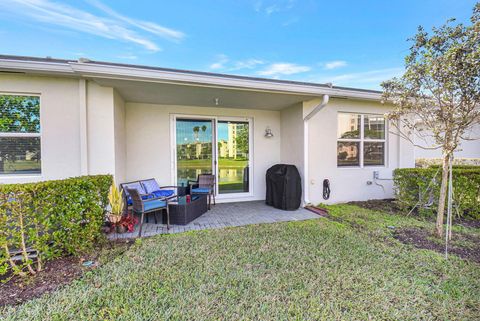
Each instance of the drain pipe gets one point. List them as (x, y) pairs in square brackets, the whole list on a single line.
[(306, 181)]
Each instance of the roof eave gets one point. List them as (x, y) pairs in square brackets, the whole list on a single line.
[(96, 70)]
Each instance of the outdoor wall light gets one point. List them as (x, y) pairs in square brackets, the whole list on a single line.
[(268, 132)]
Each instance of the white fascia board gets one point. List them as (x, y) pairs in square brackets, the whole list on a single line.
[(130, 73), (86, 70), (36, 66)]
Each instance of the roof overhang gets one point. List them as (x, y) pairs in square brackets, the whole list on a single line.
[(110, 74)]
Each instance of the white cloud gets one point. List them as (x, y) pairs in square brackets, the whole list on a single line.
[(369, 76), (283, 68), (113, 26), (223, 62), (257, 6), (151, 27), (290, 21), (247, 64), (273, 6), (365, 79), (335, 64), (271, 9), (220, 62)]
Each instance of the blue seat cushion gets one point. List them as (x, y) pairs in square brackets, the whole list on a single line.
[(150, 186), (201, 190), (163, 193), (144, 197), (153, 204)]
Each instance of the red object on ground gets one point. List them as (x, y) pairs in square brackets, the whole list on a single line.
[(317, 210)]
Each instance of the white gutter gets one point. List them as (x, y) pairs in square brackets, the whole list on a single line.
[(136, 73), (306, 180)]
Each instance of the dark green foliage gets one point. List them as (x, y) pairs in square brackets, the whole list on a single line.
[(412, 185), (53, 217)]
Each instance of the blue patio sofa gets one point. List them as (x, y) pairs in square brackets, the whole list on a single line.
[(148, 189)]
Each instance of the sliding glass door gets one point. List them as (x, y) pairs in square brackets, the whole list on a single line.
[(194, 141), (233, 156), (219, 146)]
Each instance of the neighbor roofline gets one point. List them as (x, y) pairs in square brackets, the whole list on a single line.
[(98, 69)]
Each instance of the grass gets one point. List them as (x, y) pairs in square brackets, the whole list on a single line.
[(207, 163), (21, 165), (348, 268)]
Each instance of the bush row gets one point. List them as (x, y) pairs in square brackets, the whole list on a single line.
[(40, 221), (413, 185)]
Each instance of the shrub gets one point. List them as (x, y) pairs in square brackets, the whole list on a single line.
[(50, 219), (413, 185)]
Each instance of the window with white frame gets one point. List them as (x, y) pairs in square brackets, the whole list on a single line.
[(19, 135), (360, 140)]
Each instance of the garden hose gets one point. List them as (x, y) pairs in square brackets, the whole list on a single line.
[(326, 189)]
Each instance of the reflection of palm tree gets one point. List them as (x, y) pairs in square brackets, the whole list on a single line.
[(196, 129), (204, 128)]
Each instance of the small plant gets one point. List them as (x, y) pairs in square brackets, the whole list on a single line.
[(115, 198), (128, 222)]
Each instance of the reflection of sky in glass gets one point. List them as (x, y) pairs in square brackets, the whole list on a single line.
[(185, 133), (222, 131)]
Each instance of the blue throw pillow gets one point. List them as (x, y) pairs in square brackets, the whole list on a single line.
[(150, 186)]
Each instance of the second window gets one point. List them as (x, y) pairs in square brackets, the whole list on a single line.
[(360, 140)]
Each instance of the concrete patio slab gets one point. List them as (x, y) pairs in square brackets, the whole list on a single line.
[(226, 215)]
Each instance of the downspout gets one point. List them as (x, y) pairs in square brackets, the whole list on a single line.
[(306, 180)]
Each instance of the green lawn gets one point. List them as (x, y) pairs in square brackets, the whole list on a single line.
[(207, 163), (21, 165), (348, 268)]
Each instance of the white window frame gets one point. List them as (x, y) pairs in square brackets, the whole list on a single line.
[(19, 134), (215, 165), (362, 140)]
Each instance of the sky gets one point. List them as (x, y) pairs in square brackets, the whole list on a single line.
[(348, 43)]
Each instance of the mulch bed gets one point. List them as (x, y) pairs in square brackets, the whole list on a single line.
[(56, 273), (390, 206), (387, 205), (424, 240)]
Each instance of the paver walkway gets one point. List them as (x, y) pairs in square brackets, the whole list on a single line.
[(225, 215)]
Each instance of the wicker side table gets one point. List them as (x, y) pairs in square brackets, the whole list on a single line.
[(182, 213)]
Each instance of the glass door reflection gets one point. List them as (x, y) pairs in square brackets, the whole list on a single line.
[(194, 140), (233, 156)]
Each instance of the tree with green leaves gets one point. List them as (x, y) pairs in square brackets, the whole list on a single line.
[(241, 139), (438, 97), (18, 114)]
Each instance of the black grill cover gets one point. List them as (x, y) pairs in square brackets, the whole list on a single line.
[(284, 187)]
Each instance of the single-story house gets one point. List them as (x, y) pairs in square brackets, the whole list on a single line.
[(136, 122)]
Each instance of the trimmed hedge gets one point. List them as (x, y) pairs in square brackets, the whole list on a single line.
[(411, 186), (50, 219)]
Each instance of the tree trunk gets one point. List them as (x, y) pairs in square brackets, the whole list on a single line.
[(443, 196)]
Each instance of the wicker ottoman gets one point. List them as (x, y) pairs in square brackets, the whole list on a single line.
[(182, 213)]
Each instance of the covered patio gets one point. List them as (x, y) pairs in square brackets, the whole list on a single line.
[(226, 215)]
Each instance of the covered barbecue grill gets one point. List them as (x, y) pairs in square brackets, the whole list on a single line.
[(284, 187)]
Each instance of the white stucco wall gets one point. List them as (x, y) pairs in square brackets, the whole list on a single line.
[(467, 148), (100, 126), (149, 150), (120, 135), (59, 119), (349, 184), (292, 142)]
